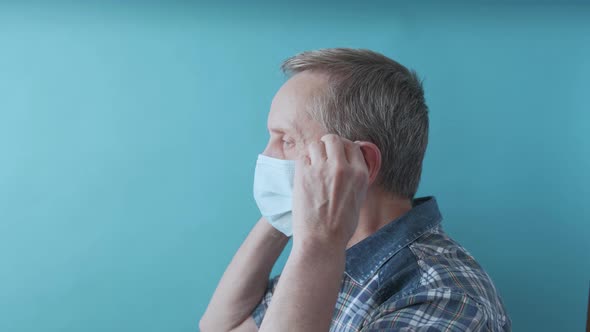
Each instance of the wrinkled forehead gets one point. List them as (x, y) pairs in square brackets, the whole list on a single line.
[(290, 105)]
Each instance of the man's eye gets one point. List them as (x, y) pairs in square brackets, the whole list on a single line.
[(287, 143)]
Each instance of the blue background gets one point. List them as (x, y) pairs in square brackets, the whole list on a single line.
[(129, 133)]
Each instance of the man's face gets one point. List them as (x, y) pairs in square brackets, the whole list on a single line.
[(290, 126)]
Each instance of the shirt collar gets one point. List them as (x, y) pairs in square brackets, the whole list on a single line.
[(365, 258)]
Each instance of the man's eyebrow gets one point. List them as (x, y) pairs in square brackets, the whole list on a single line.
[(282, 130), (276, 130)]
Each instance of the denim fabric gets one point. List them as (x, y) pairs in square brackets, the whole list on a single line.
[(411, 276)]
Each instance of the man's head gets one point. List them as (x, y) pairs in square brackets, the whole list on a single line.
[(359, 95)]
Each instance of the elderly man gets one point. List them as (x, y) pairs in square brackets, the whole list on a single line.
[(348, 132)]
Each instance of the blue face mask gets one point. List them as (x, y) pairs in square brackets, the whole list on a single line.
[(273, 191)]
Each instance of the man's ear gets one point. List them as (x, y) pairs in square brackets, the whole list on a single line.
[(372, 156)]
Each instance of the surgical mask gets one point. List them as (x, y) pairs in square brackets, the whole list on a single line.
[(273, 191)]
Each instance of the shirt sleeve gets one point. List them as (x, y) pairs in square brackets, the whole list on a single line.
[(260, 310), (431, 310)]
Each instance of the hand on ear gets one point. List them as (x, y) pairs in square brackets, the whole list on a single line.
[(372, 156)]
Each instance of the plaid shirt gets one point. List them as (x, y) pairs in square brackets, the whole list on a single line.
[(411, 276)]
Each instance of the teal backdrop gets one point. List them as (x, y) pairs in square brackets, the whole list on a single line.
[(129, 134)]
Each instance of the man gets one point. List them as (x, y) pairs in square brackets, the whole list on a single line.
[(348, 132)]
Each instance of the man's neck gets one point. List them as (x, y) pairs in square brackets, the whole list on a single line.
[(380, 208)]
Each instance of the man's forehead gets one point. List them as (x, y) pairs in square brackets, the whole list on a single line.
[(282, 123), (289, 106), (285, 113)]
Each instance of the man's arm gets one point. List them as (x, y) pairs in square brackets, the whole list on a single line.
[(306, 294), (244, 281)]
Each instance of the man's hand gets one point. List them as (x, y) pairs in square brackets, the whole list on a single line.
[(330, 186)]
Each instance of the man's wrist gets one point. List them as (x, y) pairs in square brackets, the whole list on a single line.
[(309, 248)]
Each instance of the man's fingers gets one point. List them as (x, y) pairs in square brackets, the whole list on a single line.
[(334, 148), (303, 161), (317, 152), (355, 155)]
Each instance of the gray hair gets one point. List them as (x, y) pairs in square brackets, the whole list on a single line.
[(371, 97)]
